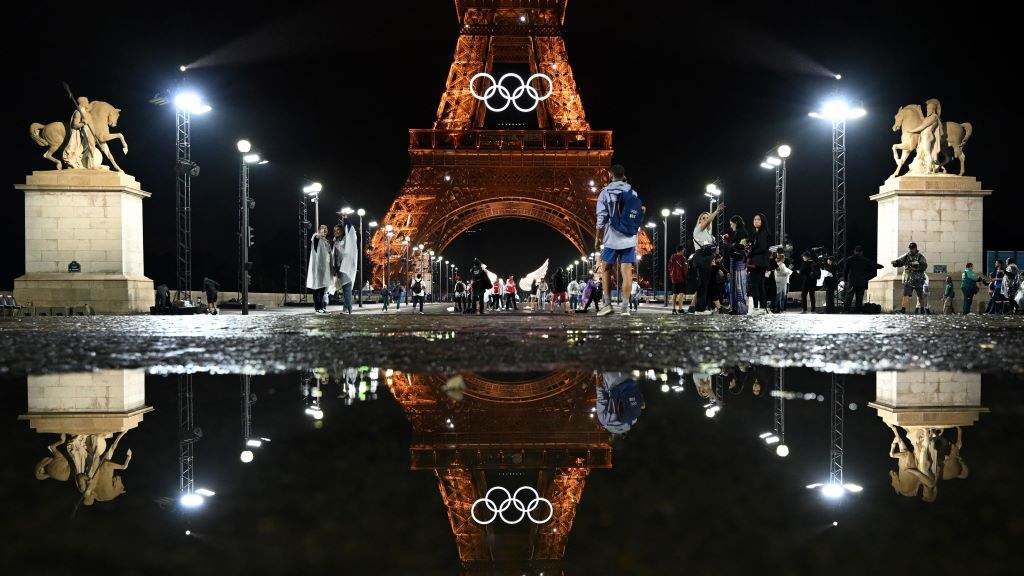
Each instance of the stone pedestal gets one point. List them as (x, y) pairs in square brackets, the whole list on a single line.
[(928, 398), (101, 402), (943, 214), (93, 217)]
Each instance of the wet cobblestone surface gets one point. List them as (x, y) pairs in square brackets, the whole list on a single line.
[(514, 342)]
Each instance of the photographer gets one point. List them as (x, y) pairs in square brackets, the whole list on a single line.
[(859, 270), (914, 267), (810, 272)]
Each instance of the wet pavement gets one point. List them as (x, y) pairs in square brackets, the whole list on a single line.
[(277, 342)]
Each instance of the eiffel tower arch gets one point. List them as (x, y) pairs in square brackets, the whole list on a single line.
[(474, 165)]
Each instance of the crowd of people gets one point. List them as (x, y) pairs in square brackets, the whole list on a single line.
[(737, 271)]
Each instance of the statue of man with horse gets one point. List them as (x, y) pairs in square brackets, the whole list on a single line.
[(933, 141), (83, 138)]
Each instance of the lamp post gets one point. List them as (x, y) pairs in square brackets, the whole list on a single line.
[(313, 191), (664, 256), (185, 105), (360, 212), (779, 164), (681, 213), (389, 233), (838, 111), (245, 233), (714, 195), (654, 257)]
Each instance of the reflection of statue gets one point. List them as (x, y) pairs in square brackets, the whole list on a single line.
[(91, 462), (931, 459), (935, 142), (83, 137), (914, 465), (55, 465)]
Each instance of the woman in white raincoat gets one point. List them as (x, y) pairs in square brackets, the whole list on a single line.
[(346, 255), (318, 273)]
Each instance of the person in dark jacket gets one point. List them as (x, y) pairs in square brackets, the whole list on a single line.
[(831, 284), (678, 271), (758, 259), (859, 270), (809, 274), (559, 290), (735, 242), (480, 285), (211, 287)]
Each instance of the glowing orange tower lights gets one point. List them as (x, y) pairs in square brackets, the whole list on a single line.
[(510, 140)]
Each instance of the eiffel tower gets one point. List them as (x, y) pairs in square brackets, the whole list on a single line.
[(475, 165), (535, 431)]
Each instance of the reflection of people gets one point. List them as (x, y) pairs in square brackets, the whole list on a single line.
[(619, 402)]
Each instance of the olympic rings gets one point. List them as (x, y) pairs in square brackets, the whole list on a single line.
[(511, 500), (511, 97)]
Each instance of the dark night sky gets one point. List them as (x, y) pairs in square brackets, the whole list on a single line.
[(328, 92)]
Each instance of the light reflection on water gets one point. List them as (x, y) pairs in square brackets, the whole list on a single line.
[(369, 452)]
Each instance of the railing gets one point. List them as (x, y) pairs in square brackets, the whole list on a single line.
[(533, 140)]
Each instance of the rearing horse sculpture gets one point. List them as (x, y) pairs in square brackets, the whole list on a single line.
[(955, 138), (102, 117)]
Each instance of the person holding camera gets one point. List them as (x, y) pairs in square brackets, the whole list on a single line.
[(915, 267), (810, 272)]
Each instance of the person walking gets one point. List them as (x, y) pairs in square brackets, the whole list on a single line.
[(948, 296), (559, 288), (969, 281), (736, 242), (619, 217), (385, 298), (543, 291), (418, 291), (915, 267), (859, 270), (810, 272), (211, 286), (677, 273), (318, 271), (398, 291), (758, 259), (782, 274), (574, 294), (497, 290), (634, 295), (831, 285), (510, 294)]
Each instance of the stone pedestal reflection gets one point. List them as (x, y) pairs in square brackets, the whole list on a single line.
[(932, 399), (102, 402)]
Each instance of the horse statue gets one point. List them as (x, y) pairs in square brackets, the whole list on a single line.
[(908, 118), (101, 118)]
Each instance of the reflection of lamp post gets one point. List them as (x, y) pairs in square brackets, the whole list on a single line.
[(838, 111), (836, 487)]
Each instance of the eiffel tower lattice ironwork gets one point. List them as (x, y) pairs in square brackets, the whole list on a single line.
[(467, 170)]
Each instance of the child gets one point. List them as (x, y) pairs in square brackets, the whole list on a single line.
[(948, 296)]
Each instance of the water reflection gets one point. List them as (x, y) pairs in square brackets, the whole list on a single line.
[(512, 456), (927, 413), (85, 411)]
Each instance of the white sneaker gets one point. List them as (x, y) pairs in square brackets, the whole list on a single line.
[(606, 310), (625, 313)]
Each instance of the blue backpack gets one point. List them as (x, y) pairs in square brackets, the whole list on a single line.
[(626, 212)]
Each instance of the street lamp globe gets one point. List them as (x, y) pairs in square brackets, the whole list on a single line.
[(246, 456), (665, 212), (360, 212), (244, 146), (784, 151)]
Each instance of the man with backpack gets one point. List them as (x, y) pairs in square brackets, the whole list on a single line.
[(619, 217), (915, 269), (417, 292)]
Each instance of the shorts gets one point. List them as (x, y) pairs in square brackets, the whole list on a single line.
[(678, 287), (558, 297), (909, 289), (623, 255)]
